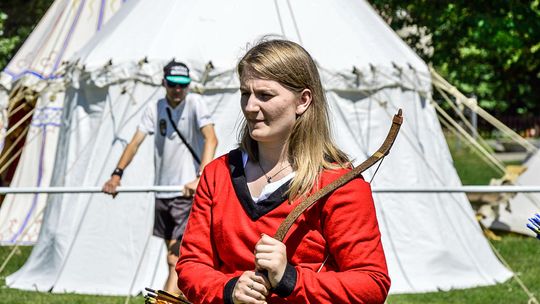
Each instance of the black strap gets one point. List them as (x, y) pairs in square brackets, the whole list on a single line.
[(182, 137)]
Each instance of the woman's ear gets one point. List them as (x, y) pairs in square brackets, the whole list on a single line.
[(303, 102)]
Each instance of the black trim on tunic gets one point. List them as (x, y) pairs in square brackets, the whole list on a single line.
[(239, 181)]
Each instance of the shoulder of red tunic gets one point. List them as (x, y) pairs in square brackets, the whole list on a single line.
[(218, 163), (329, 175)]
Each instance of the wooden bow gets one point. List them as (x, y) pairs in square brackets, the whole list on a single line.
[(345, 178)]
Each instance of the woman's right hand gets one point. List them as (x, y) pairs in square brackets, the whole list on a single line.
[(250, 288)]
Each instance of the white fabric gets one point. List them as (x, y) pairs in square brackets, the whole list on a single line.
[(38, 65), (172, 159), (5, 86), (514, 215), (432, 241), (116, 233), (64, 29), (269, 188), (20, 215)]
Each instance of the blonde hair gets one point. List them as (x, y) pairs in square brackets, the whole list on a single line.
[(310, 147)]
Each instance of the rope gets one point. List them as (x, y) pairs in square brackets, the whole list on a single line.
[(377, 169), (279, 18), (19, 238), (465, 120), (532, 298), (5, 153), (438, 80), (495, 161), (458, 134), (14, 156), (462, 204), (17, 109), (294, 22), (21, 121)]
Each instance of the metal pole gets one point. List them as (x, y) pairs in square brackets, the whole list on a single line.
[(134, 189)]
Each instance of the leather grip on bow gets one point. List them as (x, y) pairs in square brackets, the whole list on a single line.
[(345, 178)]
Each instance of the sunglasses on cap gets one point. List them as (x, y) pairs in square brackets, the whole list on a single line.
[(172, 84)]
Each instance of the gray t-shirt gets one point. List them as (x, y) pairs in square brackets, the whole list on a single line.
[(174, 164)]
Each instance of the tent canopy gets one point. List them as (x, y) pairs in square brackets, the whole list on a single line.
[(64, 29), (38, 66)]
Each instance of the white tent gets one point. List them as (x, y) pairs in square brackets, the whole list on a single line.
[(513, 215), (38, 66), (92, 244), (509, 213)]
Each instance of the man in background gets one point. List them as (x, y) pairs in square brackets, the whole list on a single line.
[(184, 142)]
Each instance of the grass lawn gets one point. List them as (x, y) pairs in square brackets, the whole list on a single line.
[(15, 296), (521, 253)]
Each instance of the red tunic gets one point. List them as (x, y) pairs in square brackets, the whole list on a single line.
[(225, 224)]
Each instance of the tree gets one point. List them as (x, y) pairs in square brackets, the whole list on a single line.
[(487, 48), (17, 20)]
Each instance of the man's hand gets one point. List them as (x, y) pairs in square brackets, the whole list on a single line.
[(189, 188), (110, 186)]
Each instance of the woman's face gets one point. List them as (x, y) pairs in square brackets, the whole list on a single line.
[(271, 109)]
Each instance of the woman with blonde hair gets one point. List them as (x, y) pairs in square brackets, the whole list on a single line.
[(333, 253)]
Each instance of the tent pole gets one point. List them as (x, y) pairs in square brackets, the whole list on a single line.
[(458, 127), (438, 80), (458, 134), (463, 119)]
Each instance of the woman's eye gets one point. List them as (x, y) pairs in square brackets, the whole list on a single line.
[(265, 96)]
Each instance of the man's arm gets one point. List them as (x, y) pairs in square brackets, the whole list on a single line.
[(127, 156), (210, 144), (209, 149)]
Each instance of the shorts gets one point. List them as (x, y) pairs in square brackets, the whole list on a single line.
[(171, 216)]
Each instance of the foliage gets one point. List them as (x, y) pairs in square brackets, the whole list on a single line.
[(17, 20), (7, 44), (490, 49)]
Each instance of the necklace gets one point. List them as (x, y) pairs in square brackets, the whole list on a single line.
[(269, 178)]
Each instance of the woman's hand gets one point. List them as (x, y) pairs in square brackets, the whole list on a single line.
[(271, 255), (251, 287)]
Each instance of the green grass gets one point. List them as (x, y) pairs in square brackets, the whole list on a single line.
[(15, 296), (470, 167), (521, 253)]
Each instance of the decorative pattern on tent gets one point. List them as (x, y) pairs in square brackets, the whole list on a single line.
[(37, 69)]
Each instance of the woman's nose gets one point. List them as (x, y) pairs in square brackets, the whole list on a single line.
[(252, 103)]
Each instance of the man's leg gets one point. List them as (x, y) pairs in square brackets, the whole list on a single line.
[(173, 247), (179, 212), (164, 224)]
